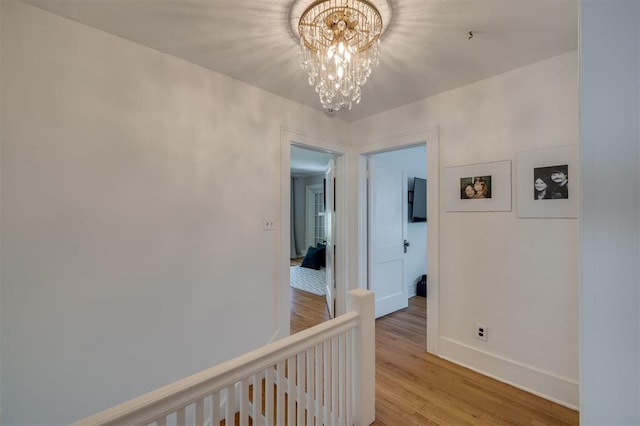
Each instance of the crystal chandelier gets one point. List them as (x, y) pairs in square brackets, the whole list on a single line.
[(339, 43)]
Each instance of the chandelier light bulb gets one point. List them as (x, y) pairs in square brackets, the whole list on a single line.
[(339, 43)]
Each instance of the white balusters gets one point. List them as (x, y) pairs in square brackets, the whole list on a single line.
[(323, 376), (244, 402), (181, 417), (349, 370), (291, 389), (300, 388), (310, 386), (335, 380), (216, 413), (269, 398), (319, 374), (256, 412)]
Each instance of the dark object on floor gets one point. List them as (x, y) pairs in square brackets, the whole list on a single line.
[(315, 257), (421, 287), (321, 253)]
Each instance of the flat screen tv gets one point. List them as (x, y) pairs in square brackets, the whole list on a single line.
[(419, 204)]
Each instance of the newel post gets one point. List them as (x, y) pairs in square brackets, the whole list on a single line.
[(364, 363)]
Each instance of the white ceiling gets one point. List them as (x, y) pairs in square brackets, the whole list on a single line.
[(425, 49)]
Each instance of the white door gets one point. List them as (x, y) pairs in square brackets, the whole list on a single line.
[(330, 233), (387, 236)]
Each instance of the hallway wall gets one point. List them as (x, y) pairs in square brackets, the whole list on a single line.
[(519, 277), (134, 187)]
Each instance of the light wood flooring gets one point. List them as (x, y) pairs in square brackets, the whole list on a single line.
[(416, 388)]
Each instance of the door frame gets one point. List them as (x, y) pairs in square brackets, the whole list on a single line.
[(289, 137), (428, 137), (309, 231)]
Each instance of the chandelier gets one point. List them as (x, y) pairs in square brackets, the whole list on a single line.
[(339, 43)]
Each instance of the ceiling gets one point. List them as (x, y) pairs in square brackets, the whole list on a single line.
[(425, 47)]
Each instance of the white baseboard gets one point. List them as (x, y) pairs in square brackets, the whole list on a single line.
[(412, 291), (558, 389)]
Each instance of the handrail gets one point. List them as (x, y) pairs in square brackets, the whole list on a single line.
[(173, 396)]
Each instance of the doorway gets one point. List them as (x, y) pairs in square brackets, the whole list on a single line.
[(429, 139), (334, 224), (312, 227), (397, 232), (307, 171)]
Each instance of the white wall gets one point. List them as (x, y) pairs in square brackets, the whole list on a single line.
[(609, 102), (1, 133), (412, 160), (134, 187), (517, 276), (115, 224)]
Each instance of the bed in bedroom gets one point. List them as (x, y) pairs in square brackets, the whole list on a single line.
[(310, 275)]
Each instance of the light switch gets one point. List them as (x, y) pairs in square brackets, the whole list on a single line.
[(269, 224)]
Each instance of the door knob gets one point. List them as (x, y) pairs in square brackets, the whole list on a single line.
[(406, 244)]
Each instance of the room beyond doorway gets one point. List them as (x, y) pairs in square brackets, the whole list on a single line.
[(430, 138), (397, 239), (335, 228)]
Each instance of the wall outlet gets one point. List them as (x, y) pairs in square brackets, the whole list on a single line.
[(269, 224), (481, 332)]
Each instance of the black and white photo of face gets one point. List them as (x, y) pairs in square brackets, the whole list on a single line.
[(559, 177), (551, 183)]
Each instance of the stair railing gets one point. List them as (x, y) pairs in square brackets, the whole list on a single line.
[(324, 375)]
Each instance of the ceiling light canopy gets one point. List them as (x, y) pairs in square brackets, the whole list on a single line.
[(339, 42)]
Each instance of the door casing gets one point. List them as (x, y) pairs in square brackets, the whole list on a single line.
[(290, 137), (310, 192), (358, 229)]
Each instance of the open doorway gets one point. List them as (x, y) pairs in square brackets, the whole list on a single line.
[(307, 169), (429, 139), (324, 207), (397, 241), (309, 233)]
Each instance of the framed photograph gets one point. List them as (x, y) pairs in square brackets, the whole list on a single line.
[(484, 187), (546, 184)]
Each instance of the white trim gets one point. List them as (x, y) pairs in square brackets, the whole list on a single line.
[(552, 387), (287, 138), (358, 237), (309, 214)]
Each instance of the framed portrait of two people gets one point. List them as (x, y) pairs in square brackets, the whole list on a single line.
[(479, 187), (546, 183)]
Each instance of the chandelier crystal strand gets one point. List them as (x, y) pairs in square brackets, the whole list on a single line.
[(339, 43)]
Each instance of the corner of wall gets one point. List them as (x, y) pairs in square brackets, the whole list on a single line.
[(552, 387)]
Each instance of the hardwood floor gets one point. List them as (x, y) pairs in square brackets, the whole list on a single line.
[(307, 310), (416, 388)]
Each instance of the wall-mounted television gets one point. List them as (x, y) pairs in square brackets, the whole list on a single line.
[(419, 200)]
